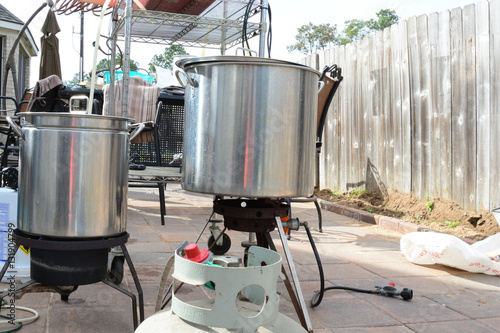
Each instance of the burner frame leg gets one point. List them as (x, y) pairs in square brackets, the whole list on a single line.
[(129, 294), (295, 279), (136, 282)]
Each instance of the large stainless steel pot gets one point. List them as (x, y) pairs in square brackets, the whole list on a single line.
[(73, 174), (250, 126)]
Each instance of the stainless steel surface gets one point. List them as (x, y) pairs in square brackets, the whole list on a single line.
[(73, 174), (250, 126)]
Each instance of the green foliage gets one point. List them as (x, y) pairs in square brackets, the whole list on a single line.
[(105, 64), (75, 81), (312, 38), (356, 192), (452, 224), (386, 18), (429, 205), (354, 30), (165, 60), (336, 193), (370, 211)]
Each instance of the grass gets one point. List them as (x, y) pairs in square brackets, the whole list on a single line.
[(336, 193), (356, 193), (452, 225)]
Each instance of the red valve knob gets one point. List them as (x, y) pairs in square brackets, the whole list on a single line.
[(193, 253)]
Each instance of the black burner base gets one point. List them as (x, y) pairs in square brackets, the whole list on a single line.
[(68, 261), (250, 215), (68, 268)]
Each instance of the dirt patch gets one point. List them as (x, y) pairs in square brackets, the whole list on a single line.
[(436, 214)]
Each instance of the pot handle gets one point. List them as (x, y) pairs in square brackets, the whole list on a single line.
[(136, 132), (245, 49), (188, 79), (14, 126), (321, 84)]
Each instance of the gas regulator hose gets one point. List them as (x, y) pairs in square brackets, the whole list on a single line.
[(318, 297)]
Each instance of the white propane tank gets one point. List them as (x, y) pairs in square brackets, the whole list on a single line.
[(8, 222), (227, 312)]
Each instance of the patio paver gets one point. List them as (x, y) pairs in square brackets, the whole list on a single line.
[(354, 254)]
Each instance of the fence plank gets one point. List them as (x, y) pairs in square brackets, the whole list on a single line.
[(435, 111), (459, 103), (406, 125), (483, 104), (359, 121), (470, 135), (396, 105), (387, 105), (444, 104), (338, 57), (495, 104), (416, 108)]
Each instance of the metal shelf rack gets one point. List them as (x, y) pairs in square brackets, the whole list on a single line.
[(219, 26)]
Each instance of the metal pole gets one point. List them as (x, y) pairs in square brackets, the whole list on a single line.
[(263, 29), (81, 46), (126, 57)]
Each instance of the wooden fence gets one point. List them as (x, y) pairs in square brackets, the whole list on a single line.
[(419, 109)]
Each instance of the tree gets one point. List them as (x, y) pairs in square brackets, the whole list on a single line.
[(312, 38), (105, 64), (75, 81), (358, 29), (166, 59), (386, 18), (354, 30)]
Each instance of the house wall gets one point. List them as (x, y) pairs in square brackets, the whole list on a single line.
[(9, 37)]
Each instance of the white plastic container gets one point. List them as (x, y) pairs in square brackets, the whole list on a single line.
[(8, 222), (496, 214)]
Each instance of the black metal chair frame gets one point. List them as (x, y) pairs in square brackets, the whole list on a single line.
[(159, 185)]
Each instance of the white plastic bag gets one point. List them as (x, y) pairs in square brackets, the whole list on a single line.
[(429, 248)]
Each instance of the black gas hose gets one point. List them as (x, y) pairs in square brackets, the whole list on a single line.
[(389, 290)]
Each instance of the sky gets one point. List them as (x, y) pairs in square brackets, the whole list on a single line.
[(287, 17)]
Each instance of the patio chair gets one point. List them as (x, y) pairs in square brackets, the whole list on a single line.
[(143, 107), (331, 77)]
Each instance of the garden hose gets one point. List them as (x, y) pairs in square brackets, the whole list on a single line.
[(21, 321)]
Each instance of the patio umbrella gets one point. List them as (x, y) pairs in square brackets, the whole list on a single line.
[(50, 62)]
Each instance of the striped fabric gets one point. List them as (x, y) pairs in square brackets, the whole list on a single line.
[(142, 100)]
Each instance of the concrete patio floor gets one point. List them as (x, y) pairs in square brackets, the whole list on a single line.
[(354, 254)]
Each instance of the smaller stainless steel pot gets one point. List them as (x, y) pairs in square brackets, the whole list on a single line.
[(73, 174)]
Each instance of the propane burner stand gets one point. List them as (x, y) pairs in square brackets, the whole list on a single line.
[(60, 263), (261, 216)]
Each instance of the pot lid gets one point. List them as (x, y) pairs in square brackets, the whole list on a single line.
[(193, 61), (74, 120)]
